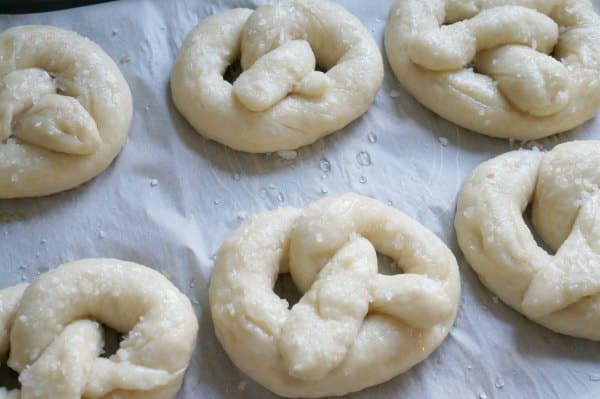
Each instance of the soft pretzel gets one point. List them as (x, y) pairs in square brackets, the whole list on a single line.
[(56, 341), (521, 69), (560, 291), (354, 327), (279, 102), (65, 110)]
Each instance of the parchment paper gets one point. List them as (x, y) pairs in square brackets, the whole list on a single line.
[(172, 197)]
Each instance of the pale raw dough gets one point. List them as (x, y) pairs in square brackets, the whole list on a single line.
[(521, 69), (279, 102), (65, 110), (561, 291), (55, 339), (353, 328)]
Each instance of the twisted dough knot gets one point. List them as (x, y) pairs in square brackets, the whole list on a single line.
[(560, 291), (353, 327), (279, 101), (536, 62), (65, 110), (30, 110), (56, 341)]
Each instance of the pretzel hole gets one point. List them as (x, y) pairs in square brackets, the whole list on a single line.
[(232, 72), (320, 68), (527, 218), (387, 266), (286, 289), (9, 378), (112, 341)]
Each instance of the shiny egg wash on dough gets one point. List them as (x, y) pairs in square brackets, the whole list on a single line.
[(65, 110), (52, 335), (279, 102), (353, 327), (558, 289), (515, 69)]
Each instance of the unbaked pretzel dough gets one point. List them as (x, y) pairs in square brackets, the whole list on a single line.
[(521, 69), (56, 341), (561, 291), (279, 102), (65, 110), (353, 328)]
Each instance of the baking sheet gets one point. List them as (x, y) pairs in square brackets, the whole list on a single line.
[(24, 6), (172, 197)]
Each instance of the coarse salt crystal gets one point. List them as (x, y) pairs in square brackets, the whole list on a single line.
[(288, 155)]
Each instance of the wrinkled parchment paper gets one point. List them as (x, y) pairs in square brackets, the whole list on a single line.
[(172, 197)]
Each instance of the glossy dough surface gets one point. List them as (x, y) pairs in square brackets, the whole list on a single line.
[(55, 340), (65, 110), (279, 102), (561, 291), (521, 69), (353, 327)]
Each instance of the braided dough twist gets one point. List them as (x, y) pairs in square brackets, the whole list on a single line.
[(56, 341), (279, 102), (521, 69), (65, 110), (354, 327), (561, 291)]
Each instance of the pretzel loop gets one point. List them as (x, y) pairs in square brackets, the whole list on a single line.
[(560, 290), (280, 100), (505, 68), (56, 344), (325, 344), (65, 110)]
